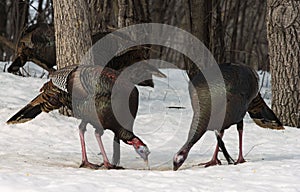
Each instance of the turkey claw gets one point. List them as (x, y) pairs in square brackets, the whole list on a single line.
[(211, 163), (89, 165), (110, 166)]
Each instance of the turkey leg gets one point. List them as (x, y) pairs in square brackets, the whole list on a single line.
[(85, 163), (214, 160), (240, 130), (106, 162)]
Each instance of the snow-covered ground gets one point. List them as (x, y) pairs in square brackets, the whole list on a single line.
[(44, 154)]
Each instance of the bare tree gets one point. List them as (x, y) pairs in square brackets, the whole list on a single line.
[(102, 15), (20, 13), (235, 30), (43, 12), (72, 31), (14, 18), (132, 12), (238, 32), (284, 48), (169, 12), (199, 25), (3, 21)]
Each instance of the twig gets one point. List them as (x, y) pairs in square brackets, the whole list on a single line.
[(28, 75), (262, 81), (42, 75), (4, 69), (7, 43), (253, 148)]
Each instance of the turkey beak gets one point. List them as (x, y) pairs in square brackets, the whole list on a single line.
[(147, 164), (143, 151)]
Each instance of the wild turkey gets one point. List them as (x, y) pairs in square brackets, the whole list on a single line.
[(87, 90), (37, 44), (242, 95)]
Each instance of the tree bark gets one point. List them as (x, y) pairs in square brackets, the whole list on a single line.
[(233, 43), (284, 49), (3, 21), (7, 43), (102, 14), (122, 13), (72, 31), (199, 24), (218, 31), (132, 12), (21, 10), (41, 14)]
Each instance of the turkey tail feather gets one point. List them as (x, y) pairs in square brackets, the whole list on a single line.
[(27, 113), (49, 100), (262, 115)]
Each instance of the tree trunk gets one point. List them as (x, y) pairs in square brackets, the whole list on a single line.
[(3, 16), (3, 20), (72, 31), (102, 14), (217, 43), (233, 44), (21, 14), (199, 25), (284, 49), (169, 12), (40, 16), (132, 12)]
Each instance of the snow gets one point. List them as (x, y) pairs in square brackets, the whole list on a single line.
[(44, 154)]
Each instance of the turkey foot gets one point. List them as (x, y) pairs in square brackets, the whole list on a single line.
[(240, 160), (86, 164), (107, 165), (211, 163)]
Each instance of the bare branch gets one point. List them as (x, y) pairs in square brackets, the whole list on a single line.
[(7, 43)]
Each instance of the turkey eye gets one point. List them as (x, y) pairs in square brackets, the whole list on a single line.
[(141, 151)]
